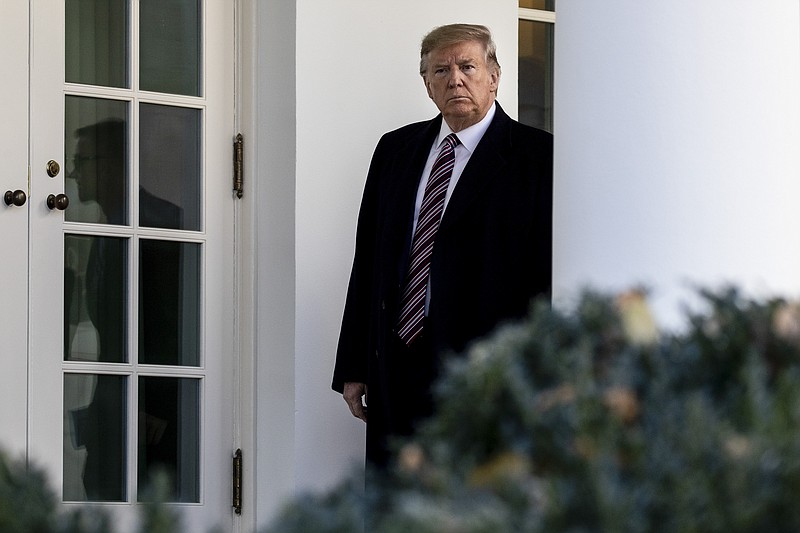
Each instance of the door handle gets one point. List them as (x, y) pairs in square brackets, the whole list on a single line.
[(16, 198), (60, 202)]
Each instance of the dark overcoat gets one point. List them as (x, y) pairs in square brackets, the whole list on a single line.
[(492, 255)]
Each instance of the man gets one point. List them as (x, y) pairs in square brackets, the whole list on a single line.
[(423, 284), (101, 179)]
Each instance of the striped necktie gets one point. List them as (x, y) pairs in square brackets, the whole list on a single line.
[(412, 303)]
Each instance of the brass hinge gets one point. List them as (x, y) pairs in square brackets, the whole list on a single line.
[(237, 481), (238, 165)]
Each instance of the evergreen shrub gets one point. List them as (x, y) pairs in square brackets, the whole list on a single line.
[(592, 420)]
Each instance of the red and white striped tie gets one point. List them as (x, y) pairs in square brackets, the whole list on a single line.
[(412, 303)]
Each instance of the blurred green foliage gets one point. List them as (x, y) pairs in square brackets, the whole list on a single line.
[(587, 420), (28, 505), (592, 420)]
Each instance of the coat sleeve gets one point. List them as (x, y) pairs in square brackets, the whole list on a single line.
[(355, 337)]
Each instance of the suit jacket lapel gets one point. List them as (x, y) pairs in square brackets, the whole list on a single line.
[(403, 187), (489, 158)]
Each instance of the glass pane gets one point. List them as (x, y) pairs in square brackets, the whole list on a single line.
[(96, 146), (169, 303), (170, 46), (95, 441), (169, 162), (536, 74), (545, 5), (97, 42), (169, 437), (95, 299)]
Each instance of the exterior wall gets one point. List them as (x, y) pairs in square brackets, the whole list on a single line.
[(677, 130), (267, 112), (316, 122), (676, 127)]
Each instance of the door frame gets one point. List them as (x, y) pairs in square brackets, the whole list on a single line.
[(14, 223), (221, 357)]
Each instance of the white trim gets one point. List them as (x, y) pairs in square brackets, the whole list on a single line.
[(537, 15), (244, 268)]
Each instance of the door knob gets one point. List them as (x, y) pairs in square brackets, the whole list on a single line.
[(60, 202), (16, 198)]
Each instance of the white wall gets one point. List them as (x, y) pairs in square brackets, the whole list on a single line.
[(267, 100), (331, 77), (677, 129), (677, 158)]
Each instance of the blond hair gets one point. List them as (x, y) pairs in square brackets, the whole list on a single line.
[(444, 36)]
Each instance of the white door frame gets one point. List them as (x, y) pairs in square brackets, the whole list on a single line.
[(14, 229), (46, 259)]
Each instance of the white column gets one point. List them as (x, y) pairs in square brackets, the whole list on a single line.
[(677, 155)]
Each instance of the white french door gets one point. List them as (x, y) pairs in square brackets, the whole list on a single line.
[(118, 311), (14, 227)]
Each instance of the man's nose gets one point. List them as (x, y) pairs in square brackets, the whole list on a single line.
[(455, 78)]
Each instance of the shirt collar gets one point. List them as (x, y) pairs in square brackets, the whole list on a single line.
[(469, 137)]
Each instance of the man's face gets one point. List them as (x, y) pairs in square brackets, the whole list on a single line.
[(85, 172), (461, 84)]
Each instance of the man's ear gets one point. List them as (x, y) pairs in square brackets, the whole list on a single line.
[(427, 86), (495, 79)]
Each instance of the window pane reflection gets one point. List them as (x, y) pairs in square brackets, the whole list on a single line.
[(169, 303), (169, 196), (536, 74), (96, 145), (97, 42), (545, 5), (169, 436), (95, 298), (169, 33), (95, 441)]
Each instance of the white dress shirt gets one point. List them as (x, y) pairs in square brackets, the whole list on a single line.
[(469, 137)]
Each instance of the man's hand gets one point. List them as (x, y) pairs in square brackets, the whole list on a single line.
[(353, 395)]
